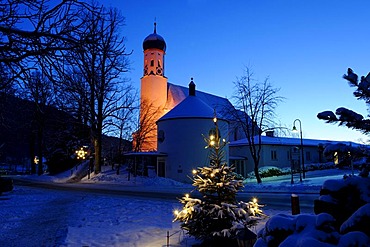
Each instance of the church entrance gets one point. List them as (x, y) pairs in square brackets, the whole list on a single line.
[(161, 167)]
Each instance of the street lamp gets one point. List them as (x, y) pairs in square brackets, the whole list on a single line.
[(302, 156)]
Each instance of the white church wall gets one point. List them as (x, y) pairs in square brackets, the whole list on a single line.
[(185, 146)]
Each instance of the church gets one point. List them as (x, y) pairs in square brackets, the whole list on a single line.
[(158, 96), (174, 120)]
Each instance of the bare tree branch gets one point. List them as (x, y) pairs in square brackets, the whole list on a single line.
[(255, 111)]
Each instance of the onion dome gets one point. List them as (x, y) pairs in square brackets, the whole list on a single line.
[(154, 40)]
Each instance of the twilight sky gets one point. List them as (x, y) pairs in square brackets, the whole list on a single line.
[(304, 47)]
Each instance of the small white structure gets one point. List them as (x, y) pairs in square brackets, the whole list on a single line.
[(181, 137)]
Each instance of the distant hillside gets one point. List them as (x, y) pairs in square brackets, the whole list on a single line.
[(18, 130), (62, 135)]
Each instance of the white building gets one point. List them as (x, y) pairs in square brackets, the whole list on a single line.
[(280, 152), (178, 117)]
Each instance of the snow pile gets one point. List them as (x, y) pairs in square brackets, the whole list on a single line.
[(359, 221), (343, 215), (307, 230), (110, 176)]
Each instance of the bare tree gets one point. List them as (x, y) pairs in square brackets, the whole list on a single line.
[(39, 90), (100, 62), (31, 29), (122, 123), (6, 88), (255, 103), (146, 130)]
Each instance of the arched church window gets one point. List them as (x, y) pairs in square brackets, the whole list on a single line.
[(160, 136), (152, 63)]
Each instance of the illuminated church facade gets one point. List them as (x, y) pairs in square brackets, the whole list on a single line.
[(159, 97), (174, 120)]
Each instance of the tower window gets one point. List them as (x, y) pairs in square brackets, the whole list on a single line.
[(152, 63), (159, 63)]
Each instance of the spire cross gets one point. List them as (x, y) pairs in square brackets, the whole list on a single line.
[(155, 25)]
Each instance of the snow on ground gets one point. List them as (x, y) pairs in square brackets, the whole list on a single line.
[(35, 217)]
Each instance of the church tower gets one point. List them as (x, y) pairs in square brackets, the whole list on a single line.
[(153, 96)]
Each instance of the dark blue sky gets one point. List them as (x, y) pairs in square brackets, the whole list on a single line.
[(304, 47)]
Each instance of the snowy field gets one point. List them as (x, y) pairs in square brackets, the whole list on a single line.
[(39, 217)]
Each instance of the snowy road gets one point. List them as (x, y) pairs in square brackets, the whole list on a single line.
[(276, 200), (44, 217), (134, 214), (29, 218)]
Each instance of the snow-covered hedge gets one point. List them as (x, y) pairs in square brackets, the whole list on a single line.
[(306, 230), (342, 218)]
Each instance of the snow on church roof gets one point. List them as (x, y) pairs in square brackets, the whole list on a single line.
[(190, 107), (289, 141), (220, 104)]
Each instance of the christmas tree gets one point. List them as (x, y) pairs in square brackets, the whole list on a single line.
[(216, 214)]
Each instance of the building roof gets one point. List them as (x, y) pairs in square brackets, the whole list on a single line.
[(178, 93), (190, 107), (289, 141)]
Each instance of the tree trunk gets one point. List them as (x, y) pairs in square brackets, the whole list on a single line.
[(257, 174), (32, 153), (40, 134), (97, 147)]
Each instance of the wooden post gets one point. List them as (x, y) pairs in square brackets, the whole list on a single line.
[(168, 238), (295, 204)]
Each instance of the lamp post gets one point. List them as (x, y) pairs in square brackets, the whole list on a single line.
[(302, 156)]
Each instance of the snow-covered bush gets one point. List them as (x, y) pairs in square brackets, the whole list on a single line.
[(343, 216), (271, 172), (217, 214), (319, 166), (343, 197), (306, 230)]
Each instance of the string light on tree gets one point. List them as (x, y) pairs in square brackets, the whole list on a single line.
[(217, 214)]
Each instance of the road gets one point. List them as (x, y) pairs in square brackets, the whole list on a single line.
[(44, 214), (272, 200)]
